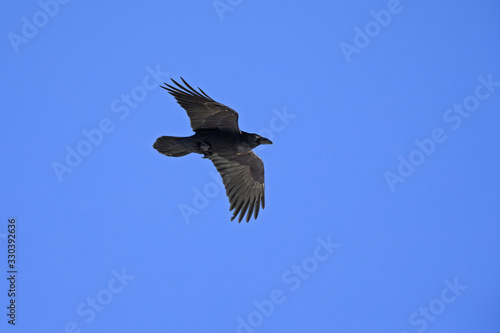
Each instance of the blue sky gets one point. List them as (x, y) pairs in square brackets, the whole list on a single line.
[(382, 184)]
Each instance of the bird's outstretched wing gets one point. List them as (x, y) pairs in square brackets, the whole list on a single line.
[(243, 178), (204, 112)]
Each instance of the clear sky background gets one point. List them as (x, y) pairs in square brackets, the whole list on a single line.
[(382, 188)]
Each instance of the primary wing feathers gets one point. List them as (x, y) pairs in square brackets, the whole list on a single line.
[(203, 111), (243, 178)]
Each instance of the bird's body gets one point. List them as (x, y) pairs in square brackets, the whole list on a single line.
[(218, 142), (218, 137)]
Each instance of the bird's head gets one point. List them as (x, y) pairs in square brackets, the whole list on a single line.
[(255, 140)]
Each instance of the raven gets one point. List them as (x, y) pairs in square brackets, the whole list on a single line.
[(218, 137)]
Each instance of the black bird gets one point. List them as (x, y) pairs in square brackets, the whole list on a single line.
[(218, 137)]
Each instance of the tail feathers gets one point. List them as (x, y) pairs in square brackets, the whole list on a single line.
[(170, 146)]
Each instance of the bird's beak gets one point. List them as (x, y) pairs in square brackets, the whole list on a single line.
[(264, 141)]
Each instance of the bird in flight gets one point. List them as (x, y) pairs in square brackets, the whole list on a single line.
[(218, 138)]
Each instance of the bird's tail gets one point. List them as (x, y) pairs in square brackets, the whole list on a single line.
[(170, 146)]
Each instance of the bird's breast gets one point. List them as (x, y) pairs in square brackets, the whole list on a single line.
[(221, 142)]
